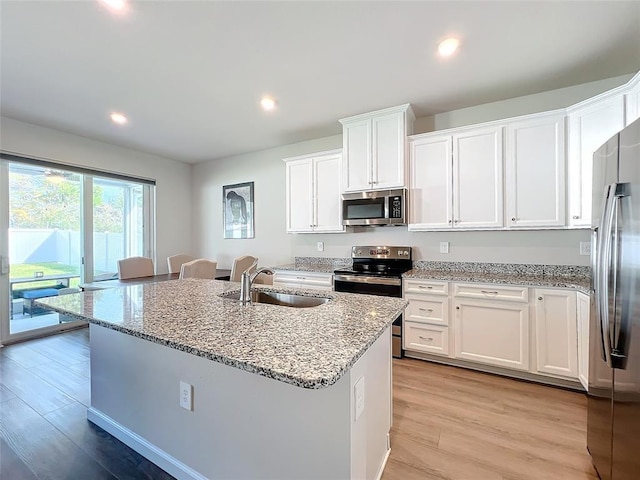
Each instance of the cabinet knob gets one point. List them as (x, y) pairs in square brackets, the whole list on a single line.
[(456, 221), (449, 221), (539, 298), (457, 308), (513, 219), (576, 217)]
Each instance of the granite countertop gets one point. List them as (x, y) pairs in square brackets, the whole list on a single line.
[(306, 347), (307, 267), (580, 283)]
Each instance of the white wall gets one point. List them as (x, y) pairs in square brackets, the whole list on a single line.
[(173, 179), (274, 247)]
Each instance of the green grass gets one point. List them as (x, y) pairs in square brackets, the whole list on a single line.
[(28, 270)]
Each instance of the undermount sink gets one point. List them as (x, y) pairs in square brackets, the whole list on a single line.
[(281, 299)]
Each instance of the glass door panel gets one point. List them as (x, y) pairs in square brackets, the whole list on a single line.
[(117, 225), (44, 243)]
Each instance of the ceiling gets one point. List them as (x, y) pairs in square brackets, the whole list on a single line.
[(189, 75)]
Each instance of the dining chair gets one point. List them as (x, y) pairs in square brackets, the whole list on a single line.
[(199, 268), (135, 267), (174, 262), (264, 279), (240, 264)]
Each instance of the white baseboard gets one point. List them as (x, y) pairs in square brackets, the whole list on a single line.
[(384, 464), (148, 450)]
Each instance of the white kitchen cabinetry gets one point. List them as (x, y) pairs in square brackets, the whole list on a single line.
[(375, 149), (297, 279), (591, 123), (556, 332), (632, 100), (426, 318), (583, 315), (492, 331), (313, 194), (535, 172), (456, 180)]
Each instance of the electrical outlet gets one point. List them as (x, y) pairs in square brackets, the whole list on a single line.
[(186, 396), (585, 248), (320, 246), (358, 393), (444, 247)]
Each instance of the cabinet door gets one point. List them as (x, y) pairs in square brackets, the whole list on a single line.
[(535, 173), (477, 179), (589, 127), (356, 166), (430, 187), (632, 102), (583, 312), (327, 203), (388, 155), (556, 332), (299, 196), (492, 333)]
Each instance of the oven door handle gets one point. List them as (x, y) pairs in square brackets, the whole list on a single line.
[(370, 280)]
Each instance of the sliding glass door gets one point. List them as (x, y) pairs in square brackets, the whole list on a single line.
[(62, 227)]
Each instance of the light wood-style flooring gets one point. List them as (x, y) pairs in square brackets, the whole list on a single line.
[(452, 423), (449, 423)]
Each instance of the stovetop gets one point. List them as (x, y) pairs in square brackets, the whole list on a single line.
[(378, 261)]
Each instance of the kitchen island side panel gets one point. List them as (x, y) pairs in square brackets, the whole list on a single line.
[(242, 425)]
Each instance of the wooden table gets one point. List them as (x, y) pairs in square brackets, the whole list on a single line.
[(221, 274)]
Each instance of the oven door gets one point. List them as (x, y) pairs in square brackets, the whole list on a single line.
[(371, 285)]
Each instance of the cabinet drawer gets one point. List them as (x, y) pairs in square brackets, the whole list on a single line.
[(425, 309), (321, 281), (491, 292), (431, 287), (426, 338)]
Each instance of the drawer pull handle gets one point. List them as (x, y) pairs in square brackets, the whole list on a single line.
[(422, 286), (429, 339), (425, 309), (489, 292), (539, 298)]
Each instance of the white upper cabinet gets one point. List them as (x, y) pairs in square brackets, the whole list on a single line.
[(374, 153), (632, 100), (430, 191), (313, 194), (591, 123), (535, 172), (456, 180), (477, 178)]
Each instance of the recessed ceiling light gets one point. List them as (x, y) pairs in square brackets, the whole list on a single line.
[(118, 118), (448, 47), (268, 103), (115, 5)]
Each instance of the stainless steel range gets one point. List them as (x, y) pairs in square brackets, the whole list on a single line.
[(377, 270)]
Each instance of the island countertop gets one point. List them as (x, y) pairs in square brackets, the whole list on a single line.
[(306, 347)]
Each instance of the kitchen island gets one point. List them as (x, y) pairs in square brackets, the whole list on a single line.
[(273, 388)]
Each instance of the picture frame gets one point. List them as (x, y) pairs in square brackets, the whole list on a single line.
[(237, 210)]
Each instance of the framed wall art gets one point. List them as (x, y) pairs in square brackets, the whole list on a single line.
[(237, 201)]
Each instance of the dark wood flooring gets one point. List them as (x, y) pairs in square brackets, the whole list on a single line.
[(449, 423), (44, 432)]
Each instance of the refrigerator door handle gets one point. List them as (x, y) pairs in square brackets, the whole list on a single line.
[(604, 273), (620, 308)]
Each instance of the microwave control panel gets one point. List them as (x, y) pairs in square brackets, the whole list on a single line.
[(395, 207)]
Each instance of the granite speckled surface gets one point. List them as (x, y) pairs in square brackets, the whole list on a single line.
[(553, 276), (306, 347)]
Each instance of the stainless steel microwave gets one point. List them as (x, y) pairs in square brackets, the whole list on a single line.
[(381, 207)]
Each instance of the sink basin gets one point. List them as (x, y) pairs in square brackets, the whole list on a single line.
[(282, 299)]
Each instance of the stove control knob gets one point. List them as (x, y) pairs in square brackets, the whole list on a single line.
[(358, 252)]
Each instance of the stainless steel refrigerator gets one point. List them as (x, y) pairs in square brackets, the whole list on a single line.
[(613, 427)]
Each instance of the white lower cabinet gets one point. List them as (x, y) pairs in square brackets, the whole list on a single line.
[(296, 279), (556, 332), (583, 314), (492, 332), (427, 338)]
